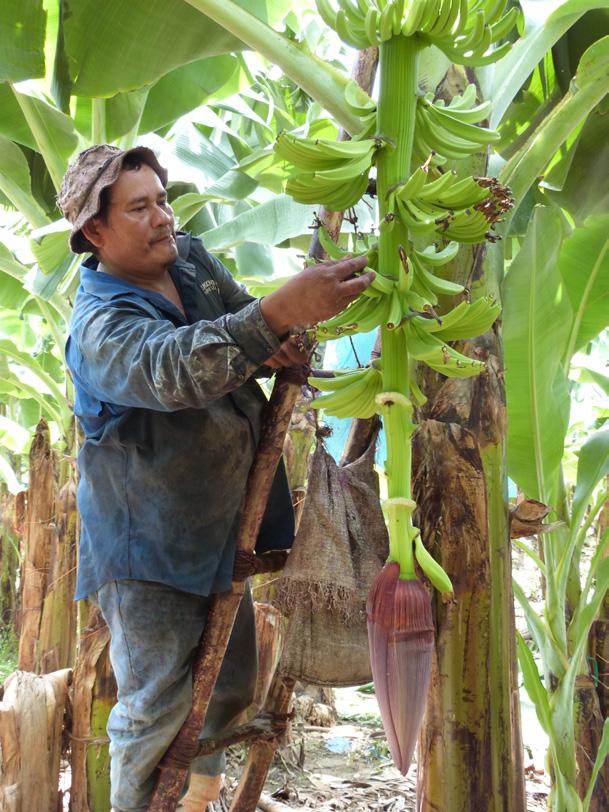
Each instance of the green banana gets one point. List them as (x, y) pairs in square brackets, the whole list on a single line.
[(341, 379), (434, 188), (327, 12), (386, 23), (414, 184), (311, 155), (394, 316), (417, 396), (356, 399), (412, 19), (463, 321), (349, 33), (371, 26), (461, 195), (437, 285), (331, 249), (431, 568), (503, 27), (398, 13), (462, 129), (310, 188), (438, 355), (430, 256)]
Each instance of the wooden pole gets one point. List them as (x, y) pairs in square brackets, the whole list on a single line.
[(261, 753), (174, 766)]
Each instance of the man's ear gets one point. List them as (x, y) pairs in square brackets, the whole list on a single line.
[(92, 233)]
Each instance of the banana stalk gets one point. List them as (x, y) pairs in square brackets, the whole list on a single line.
[(400, 628)]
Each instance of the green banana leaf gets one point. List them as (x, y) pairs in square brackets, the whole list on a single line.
[(116, 46), (254, 258), (536, 323), (545, 24), (187, 87), (588, 89), (584, 267), (533, 685), (22, 27), (592, 467), (50, 247), (14, 353), (122, 114), (10, 265), (13, 436), (16, 184), (273, 222), (13, 295), (585, 192)]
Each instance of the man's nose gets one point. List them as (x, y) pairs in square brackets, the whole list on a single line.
[(163, 215)]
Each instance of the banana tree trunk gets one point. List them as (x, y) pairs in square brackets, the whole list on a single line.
[(470, 750), (39, 539), (48, 614), (57, 644), (94, 696)]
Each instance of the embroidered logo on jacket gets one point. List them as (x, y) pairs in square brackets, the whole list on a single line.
[(209, 286)]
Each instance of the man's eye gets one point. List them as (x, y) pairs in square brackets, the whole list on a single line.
[(140, 208)]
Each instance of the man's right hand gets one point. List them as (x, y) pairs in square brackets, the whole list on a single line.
[(315, 294)]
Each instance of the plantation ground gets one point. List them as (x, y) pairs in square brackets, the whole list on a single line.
[(347, 767)]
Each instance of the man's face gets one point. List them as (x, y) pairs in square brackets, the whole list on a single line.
[(138, 235)]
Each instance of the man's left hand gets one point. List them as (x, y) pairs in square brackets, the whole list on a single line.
[(292, 353)]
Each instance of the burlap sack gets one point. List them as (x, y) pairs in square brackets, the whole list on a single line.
[(340, 546)]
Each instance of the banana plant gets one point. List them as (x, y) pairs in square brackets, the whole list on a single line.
[(424, 209)]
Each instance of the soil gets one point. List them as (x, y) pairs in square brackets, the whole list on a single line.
[(347, 767)]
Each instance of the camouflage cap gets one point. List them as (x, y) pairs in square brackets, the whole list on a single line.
[(93, 171)]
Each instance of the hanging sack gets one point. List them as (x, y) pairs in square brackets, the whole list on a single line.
[(340, 546)]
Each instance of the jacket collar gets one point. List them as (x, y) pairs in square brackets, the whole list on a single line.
[(106, 287)]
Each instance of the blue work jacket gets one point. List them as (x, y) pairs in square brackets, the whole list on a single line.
[(171, 416)]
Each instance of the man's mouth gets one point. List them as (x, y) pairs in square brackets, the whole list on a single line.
[(164, 238)]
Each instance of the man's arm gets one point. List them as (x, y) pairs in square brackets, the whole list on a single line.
[(132, 359)]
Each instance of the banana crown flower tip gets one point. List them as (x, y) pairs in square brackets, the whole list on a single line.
[(401, 638)]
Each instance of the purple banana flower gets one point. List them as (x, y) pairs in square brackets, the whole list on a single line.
[(401, 639)]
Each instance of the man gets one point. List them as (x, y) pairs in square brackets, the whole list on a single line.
[(163, 348)]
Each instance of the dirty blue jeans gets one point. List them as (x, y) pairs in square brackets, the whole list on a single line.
[(154, 631)]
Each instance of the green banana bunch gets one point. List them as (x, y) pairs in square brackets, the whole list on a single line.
[(451, 131), (433, 351), (351, 393), (466, 30), (466, 320), (458, 209), (368, 311), (334, 173)]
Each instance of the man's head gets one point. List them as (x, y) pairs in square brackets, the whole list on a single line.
[(117, 204)]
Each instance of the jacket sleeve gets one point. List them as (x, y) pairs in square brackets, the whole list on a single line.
[(129, 358)]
